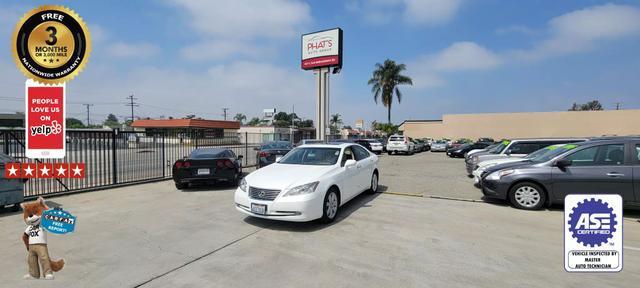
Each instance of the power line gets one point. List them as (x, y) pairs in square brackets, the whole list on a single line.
[(132, 104)]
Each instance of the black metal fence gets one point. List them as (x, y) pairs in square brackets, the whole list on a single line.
[(114, 157)]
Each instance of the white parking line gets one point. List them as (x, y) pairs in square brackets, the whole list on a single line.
[(632, 248)]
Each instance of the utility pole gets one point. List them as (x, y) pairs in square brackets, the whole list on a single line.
[(132, 104), (224, 113), (88, 105)]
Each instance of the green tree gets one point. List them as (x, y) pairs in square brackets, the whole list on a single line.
[(384, 83), (112, 121), (74, 123), (589, 106), (240, 117), (386, 128), (305, 123), (255, 121), (335, 122)]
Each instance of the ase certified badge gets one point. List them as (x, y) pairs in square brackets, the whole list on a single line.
[(593, 233), (51, 44)]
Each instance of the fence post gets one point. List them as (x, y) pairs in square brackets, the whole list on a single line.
[(195, 134), (6, 142), (246, 149), (164, 160), (114, 148)]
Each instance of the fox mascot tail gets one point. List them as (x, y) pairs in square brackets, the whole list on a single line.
[(57, 265)]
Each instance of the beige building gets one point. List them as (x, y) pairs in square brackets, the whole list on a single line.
[(526, 125)]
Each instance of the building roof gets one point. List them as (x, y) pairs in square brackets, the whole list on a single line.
[(185, 123)]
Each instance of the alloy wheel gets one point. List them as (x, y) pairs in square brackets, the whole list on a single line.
[(527, 196), (331, 206)]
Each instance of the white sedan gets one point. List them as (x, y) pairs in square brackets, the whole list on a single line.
[(310, 182)]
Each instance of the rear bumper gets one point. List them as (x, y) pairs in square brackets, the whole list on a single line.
[(216, 176), (398, 148)]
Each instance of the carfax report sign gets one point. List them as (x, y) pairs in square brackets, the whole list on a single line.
[(593, 233)]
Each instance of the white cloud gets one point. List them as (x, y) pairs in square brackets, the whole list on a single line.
[(247, 18), (430, 11), (584, 29), (515, 29), (222, 49), (132, 50)]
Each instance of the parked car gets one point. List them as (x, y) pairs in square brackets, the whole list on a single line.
[(270, 152), (439, 146), (400, 144), (309, 141), (372, 145), (485, 140), (417, 145), (513, 148), (207, 165), (458, 143), (462, 150), (474, 151), (11, 190), (590, 167), (310, 182), (484, 165), (424, 146)]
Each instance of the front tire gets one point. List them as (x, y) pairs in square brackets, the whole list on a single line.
[(330, 206), (374, 183), (527, 196)]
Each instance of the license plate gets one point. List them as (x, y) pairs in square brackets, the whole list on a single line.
[(258, 209), (203, 171)]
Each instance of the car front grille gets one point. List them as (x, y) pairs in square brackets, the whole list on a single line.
[(263, 194)]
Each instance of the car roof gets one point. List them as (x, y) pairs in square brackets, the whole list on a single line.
[(547, 139), (327, 145)]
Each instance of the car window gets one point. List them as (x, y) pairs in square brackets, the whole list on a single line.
[(524, 147), (346, 155), (231, 154), (612, 154), (638, 152), (360, 153), (311, 156)]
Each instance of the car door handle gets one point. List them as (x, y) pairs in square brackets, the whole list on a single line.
[(615, 174)]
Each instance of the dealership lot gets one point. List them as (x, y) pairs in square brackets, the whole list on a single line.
[(155, 236)]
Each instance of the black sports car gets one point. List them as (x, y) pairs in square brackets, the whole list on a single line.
[(269, 152), (207, 165)]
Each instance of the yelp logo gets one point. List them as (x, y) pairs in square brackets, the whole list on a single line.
[(46, 130)]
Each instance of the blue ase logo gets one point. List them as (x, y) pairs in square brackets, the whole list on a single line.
[(592, 222), (58, 221)]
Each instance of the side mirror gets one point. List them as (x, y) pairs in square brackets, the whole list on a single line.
[(508, 152), (350, 163), (562, 163), (240, 157)]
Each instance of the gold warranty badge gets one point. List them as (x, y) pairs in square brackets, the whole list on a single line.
[(51, 44)]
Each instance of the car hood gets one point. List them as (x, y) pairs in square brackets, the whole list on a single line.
[(511, 165), (280, 176), (500, 161)]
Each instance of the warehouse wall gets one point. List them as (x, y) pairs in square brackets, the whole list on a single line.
[(526, 125)]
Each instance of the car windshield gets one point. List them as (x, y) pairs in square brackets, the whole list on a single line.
[(311, 156), (499, 148), (464, 146), (441, 142), (206, 153), (550, 152), (276, 145)]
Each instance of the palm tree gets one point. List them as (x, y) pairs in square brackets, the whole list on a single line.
[(335, 121), (240, 117), (385, 80)]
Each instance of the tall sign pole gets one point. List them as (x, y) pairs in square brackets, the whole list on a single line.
[(322, 51)]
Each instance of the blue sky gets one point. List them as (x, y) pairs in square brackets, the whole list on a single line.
[(184, 57)]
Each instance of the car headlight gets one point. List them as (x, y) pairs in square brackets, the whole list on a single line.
[(499, 174), (302, 189), (474, 160), (243, 185)]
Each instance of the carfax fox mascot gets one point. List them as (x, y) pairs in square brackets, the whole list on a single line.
[(35, 239)]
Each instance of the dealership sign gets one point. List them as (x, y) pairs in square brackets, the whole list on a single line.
[(322, 49), (593, 233), (45, 120)]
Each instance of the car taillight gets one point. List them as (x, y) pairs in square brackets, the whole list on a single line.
[(187, 164), (179, 164), (264, 154), (220, 163)]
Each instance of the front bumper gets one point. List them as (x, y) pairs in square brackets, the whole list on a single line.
[(494, 189), (300, 208), (470, 167), (438, 149)]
